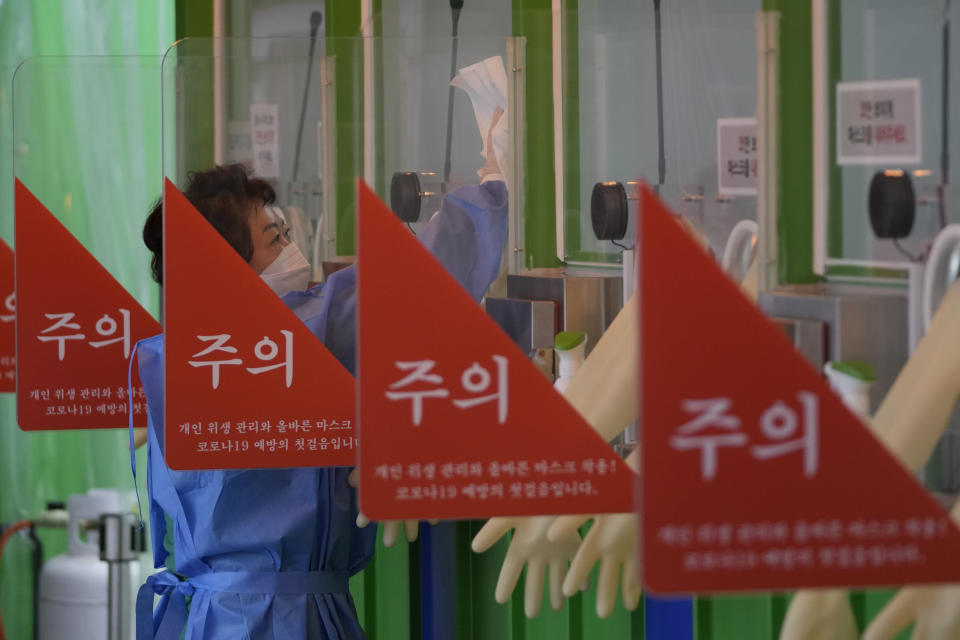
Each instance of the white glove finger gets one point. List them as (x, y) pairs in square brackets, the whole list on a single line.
[(434, 521), (490, 533), (362, 520), (896, 616), (630, 587), (558, 571), (819, 613), (582, 565), (607, 586), (509, 574), (391, 531), (619, 527), (563, 526), (533, 589), (412, 529), (354, 478)]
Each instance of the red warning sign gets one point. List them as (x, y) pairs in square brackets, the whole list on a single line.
[(246, 384), (754, 474), (8, 308), (456, 422), (75, 325)]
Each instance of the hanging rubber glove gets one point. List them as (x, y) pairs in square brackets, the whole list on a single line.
[(917, 409), (603, 391), (391, 528), (612, 540), (909, 422), (750, 285), (529, 546), (933, 610), (819, 614)]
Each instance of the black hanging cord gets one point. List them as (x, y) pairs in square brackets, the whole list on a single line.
[(907, 254), (316, 19), (455, 7), (662, 157)]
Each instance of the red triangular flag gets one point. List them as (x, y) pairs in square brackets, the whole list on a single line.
[(75, 325), (281, 398), (754, 474), (8, 338), (456, 421)]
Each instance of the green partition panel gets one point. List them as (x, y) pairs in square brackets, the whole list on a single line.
[(532, 20), (382, 592), (342, 19)]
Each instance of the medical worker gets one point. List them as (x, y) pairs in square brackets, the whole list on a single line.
[(267, 553)]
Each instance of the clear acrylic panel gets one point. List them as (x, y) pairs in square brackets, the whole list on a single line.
[(880, 43), (417, 109), (7, 151), (708, 63), (263, 103), (104, 195)]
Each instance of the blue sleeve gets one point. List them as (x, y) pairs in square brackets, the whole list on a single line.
[(466, 236), (468, 233)]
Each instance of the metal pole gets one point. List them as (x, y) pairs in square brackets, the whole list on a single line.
[(120, 541), (118, 603), (455, 7), (661, 152), (316, 19)]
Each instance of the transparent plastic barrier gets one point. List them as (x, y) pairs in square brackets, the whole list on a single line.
[(880, 43), (83, 134), (103, 193), (289, 110), (379, 117), (709, 72)]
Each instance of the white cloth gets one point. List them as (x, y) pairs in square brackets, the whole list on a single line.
[(486, 84)]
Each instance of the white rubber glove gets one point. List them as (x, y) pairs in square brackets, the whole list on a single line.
[(819, 614), (391, 528), (934, 610), (909, 422), (612, 540), (529, 546)]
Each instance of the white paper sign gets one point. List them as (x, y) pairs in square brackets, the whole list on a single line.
[(238, 143), (737, 156), (879, 122), (264, 136)]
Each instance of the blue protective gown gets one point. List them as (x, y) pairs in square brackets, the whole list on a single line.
[(267, 553)]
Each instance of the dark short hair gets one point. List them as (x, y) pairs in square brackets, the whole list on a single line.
[(223, 196)]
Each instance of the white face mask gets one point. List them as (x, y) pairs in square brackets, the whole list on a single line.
[(289, 272)]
